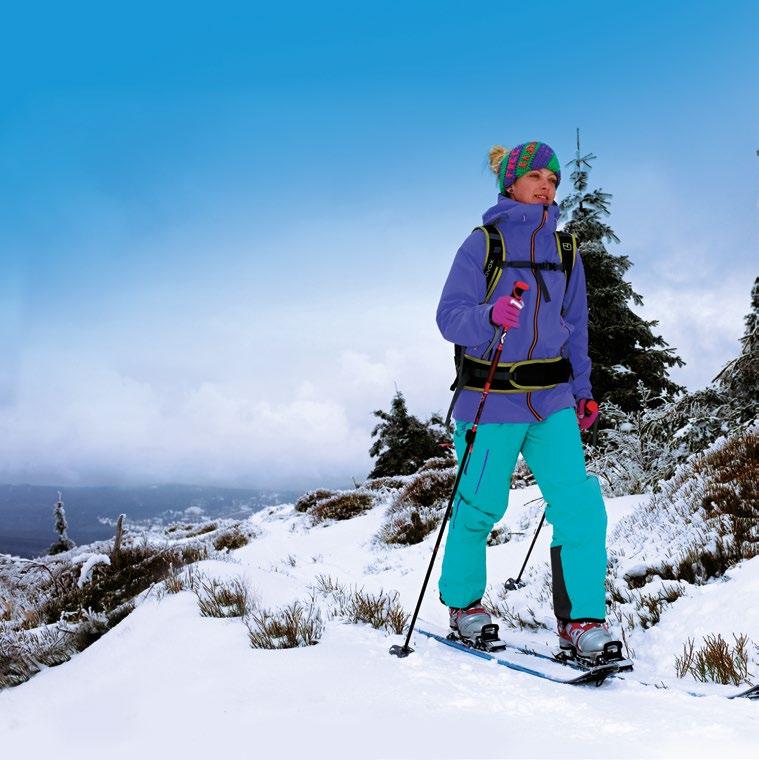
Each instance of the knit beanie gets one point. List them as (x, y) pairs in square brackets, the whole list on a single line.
[(524, 158)]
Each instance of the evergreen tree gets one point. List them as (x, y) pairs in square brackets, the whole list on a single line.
[(621, 345), (739, 379), (64, 543), (403, 442)]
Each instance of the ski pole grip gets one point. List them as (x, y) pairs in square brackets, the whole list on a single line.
[(519, 288)]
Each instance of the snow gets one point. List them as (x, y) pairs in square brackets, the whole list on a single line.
[(90, 561), (166, 681)]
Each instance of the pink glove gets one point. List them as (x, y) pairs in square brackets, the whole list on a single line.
[(505, 311), (587, 411)]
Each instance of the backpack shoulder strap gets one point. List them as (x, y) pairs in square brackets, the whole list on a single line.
[(495, 258), (492, 268), (566, 246)]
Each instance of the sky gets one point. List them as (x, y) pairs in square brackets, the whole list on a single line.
[(224, 230)]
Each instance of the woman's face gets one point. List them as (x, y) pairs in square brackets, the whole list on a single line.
[(537, 186)]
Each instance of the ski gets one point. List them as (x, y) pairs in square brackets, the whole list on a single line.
[(620, 670), (595, 675), (622, 674), (752, 692)]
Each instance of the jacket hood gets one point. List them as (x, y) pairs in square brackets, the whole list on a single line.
[(507, 209)]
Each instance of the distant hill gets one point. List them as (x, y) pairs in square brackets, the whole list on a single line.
[(26, 512)]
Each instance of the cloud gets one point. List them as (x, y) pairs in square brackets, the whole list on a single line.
[(302, 418), (243, 394)]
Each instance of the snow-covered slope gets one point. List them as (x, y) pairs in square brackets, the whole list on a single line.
[(167, 682)]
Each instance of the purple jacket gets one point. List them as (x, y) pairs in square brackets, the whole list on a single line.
[(547, 328)]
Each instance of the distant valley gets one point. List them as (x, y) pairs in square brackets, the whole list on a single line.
[(26, 512)]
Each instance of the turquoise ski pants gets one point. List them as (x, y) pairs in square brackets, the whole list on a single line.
[(575, 508)]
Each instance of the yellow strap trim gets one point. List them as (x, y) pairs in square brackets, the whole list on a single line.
[(492, 288), (489, 291), (487, 244), (509, 365), (505, 365), (574, 248), (521, 389)]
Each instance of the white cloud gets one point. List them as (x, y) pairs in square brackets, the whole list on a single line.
[(246, 395), (301, 418)]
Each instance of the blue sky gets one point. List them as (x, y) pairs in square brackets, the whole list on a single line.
[(224, 230)]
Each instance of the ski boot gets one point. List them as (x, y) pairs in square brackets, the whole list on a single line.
[(472, 625), (589, 643)]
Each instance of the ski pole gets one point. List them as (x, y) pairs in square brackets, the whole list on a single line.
[(514, 583), (405, 650)]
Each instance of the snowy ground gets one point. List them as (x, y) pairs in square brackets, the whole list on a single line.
[(168, 682)]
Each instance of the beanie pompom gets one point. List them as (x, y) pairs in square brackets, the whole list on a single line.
[(496, 156)]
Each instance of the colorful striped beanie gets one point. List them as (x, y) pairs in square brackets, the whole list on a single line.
[(525, 157)]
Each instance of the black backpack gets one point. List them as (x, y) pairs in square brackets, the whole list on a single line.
[(494, 264)]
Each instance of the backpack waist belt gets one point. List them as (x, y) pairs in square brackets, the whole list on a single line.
[(516, 377)]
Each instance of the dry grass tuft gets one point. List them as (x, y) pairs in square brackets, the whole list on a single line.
[(382, 610), (717, 661), (296, 625), (223, 599)]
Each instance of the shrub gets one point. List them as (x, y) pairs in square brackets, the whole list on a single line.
[(716, 661), (522, 476), (310, 499), (342, 506), (139, 568), (418, 507), (499, 536), (438, 463), (428, 489), (230, 540), (293, 626), (175, 527), (731, 491), (53, 617), (388, 482), (201, 529), (722, 490), (23, 656), (702, 521)]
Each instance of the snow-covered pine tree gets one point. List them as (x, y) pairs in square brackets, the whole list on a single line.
[(64, 543), (637, 450), (403, 442), (621, 345), (739, 379)]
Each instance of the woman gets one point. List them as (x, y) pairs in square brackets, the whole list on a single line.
[(540, 417)]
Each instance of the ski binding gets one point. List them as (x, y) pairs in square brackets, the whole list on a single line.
[(611, 655)]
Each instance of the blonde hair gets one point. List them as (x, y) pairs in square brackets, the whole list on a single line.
[(496, 156)]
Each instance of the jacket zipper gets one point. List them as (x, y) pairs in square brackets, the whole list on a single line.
[(537, 306)]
